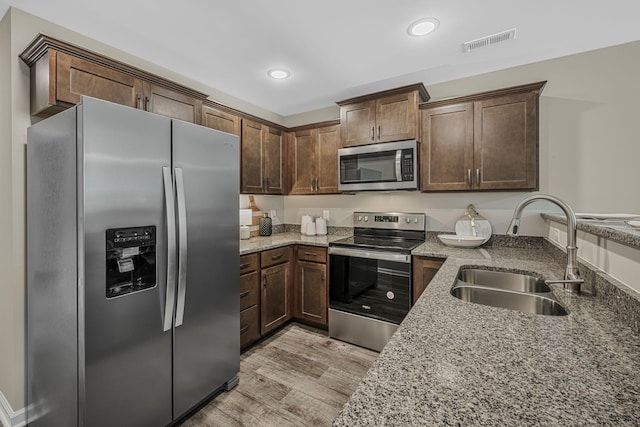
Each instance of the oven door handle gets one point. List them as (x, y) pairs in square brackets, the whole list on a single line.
[(359, 253)]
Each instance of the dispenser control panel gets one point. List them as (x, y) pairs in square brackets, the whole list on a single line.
[(130, 260)]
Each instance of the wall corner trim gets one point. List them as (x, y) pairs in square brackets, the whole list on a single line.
[(9, 417)]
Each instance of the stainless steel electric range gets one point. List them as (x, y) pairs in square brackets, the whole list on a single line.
[(370, 277)]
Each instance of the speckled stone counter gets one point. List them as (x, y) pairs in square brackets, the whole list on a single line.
[(458, 363), (257, 244), (617, 231)]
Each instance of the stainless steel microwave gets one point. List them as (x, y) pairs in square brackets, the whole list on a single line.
[(384, 166)]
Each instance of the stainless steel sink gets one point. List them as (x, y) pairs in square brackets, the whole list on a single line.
[(503, 280), (527, 303), (515, 291)]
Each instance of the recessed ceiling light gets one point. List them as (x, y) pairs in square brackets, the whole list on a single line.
[(278, 73), (422, 27)]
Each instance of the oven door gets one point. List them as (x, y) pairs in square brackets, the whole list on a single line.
[(368, 283)]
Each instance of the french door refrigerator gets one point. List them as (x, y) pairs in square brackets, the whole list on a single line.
[(132, 267)]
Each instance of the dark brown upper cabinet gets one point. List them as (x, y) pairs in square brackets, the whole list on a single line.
[(61, 73), (262, 159), (215, 118), (314, 160), (487, 141), (391, 115)]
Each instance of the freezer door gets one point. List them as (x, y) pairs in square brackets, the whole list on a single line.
[(127, 374), (207, 327)]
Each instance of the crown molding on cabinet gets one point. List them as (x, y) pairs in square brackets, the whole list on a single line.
[(422, 91), (530, 87)]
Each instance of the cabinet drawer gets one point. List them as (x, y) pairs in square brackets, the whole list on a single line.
[(249, 326), (275, 256), (312, 253), (249, 287), (248, 263)]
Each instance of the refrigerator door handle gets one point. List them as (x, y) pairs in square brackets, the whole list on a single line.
[(182, 247), (171, 249)]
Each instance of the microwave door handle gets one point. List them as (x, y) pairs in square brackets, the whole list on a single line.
[(398, 165)]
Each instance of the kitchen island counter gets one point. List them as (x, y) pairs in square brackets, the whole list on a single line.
[(458, 363)]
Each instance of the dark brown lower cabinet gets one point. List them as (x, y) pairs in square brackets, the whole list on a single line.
[(249, 299), (275, 280), (311, 286), (275, 302), (424, 268)]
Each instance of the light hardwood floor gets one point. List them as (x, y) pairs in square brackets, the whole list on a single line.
[(297, 377)]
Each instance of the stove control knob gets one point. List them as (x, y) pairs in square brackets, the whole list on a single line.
[(415, 220), (359, 218), (408, 220), (366, 219)]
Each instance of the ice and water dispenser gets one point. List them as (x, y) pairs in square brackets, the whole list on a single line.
[(131, 260)]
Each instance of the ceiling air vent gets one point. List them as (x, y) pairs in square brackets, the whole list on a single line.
[(489, 40)]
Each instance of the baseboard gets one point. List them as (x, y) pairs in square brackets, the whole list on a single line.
[(9, 417)]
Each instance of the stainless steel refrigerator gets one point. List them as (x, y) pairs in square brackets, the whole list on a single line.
[(132, 267)]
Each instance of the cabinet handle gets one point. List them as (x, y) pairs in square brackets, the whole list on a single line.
[(139, 102), (373, 133), (146, 103), (275, 257), (317, 179), (478, 176), (264, 282), (310, 253), (469, 177), (379, 132), (243, 266), (244, 294), (244, 329), (266, 180), (312, 184)]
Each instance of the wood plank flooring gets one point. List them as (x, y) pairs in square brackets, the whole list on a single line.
[(297, 377)]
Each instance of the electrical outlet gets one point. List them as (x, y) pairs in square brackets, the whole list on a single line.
[(326, 215), (556, 235), (272, 214)]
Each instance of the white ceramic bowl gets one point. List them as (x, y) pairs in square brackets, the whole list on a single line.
[(462, 241)]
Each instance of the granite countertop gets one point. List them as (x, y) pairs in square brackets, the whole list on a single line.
[(615, 230), (458, 363), (260, 243)]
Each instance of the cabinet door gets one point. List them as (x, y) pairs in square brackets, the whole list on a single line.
[(506, 142), (447, 148), (304, 161), (75, 77), (275, 301), (249, 325), (397, 117), (424, 269), (358, 123), (167, 102), (311, 293), (327, 163), (274, 161), (251, 150), (220, 120)]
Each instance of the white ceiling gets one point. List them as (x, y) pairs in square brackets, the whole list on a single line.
[(336, 49)]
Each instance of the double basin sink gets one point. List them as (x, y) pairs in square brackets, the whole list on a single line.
[(510, 290)]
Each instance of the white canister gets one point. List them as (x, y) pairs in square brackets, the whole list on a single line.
[(311, 229), (321, 227), (306, 219)]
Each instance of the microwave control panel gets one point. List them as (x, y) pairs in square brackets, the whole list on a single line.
[(407, 164)]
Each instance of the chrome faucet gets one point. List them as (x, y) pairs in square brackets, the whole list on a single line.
[(572, 279)]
